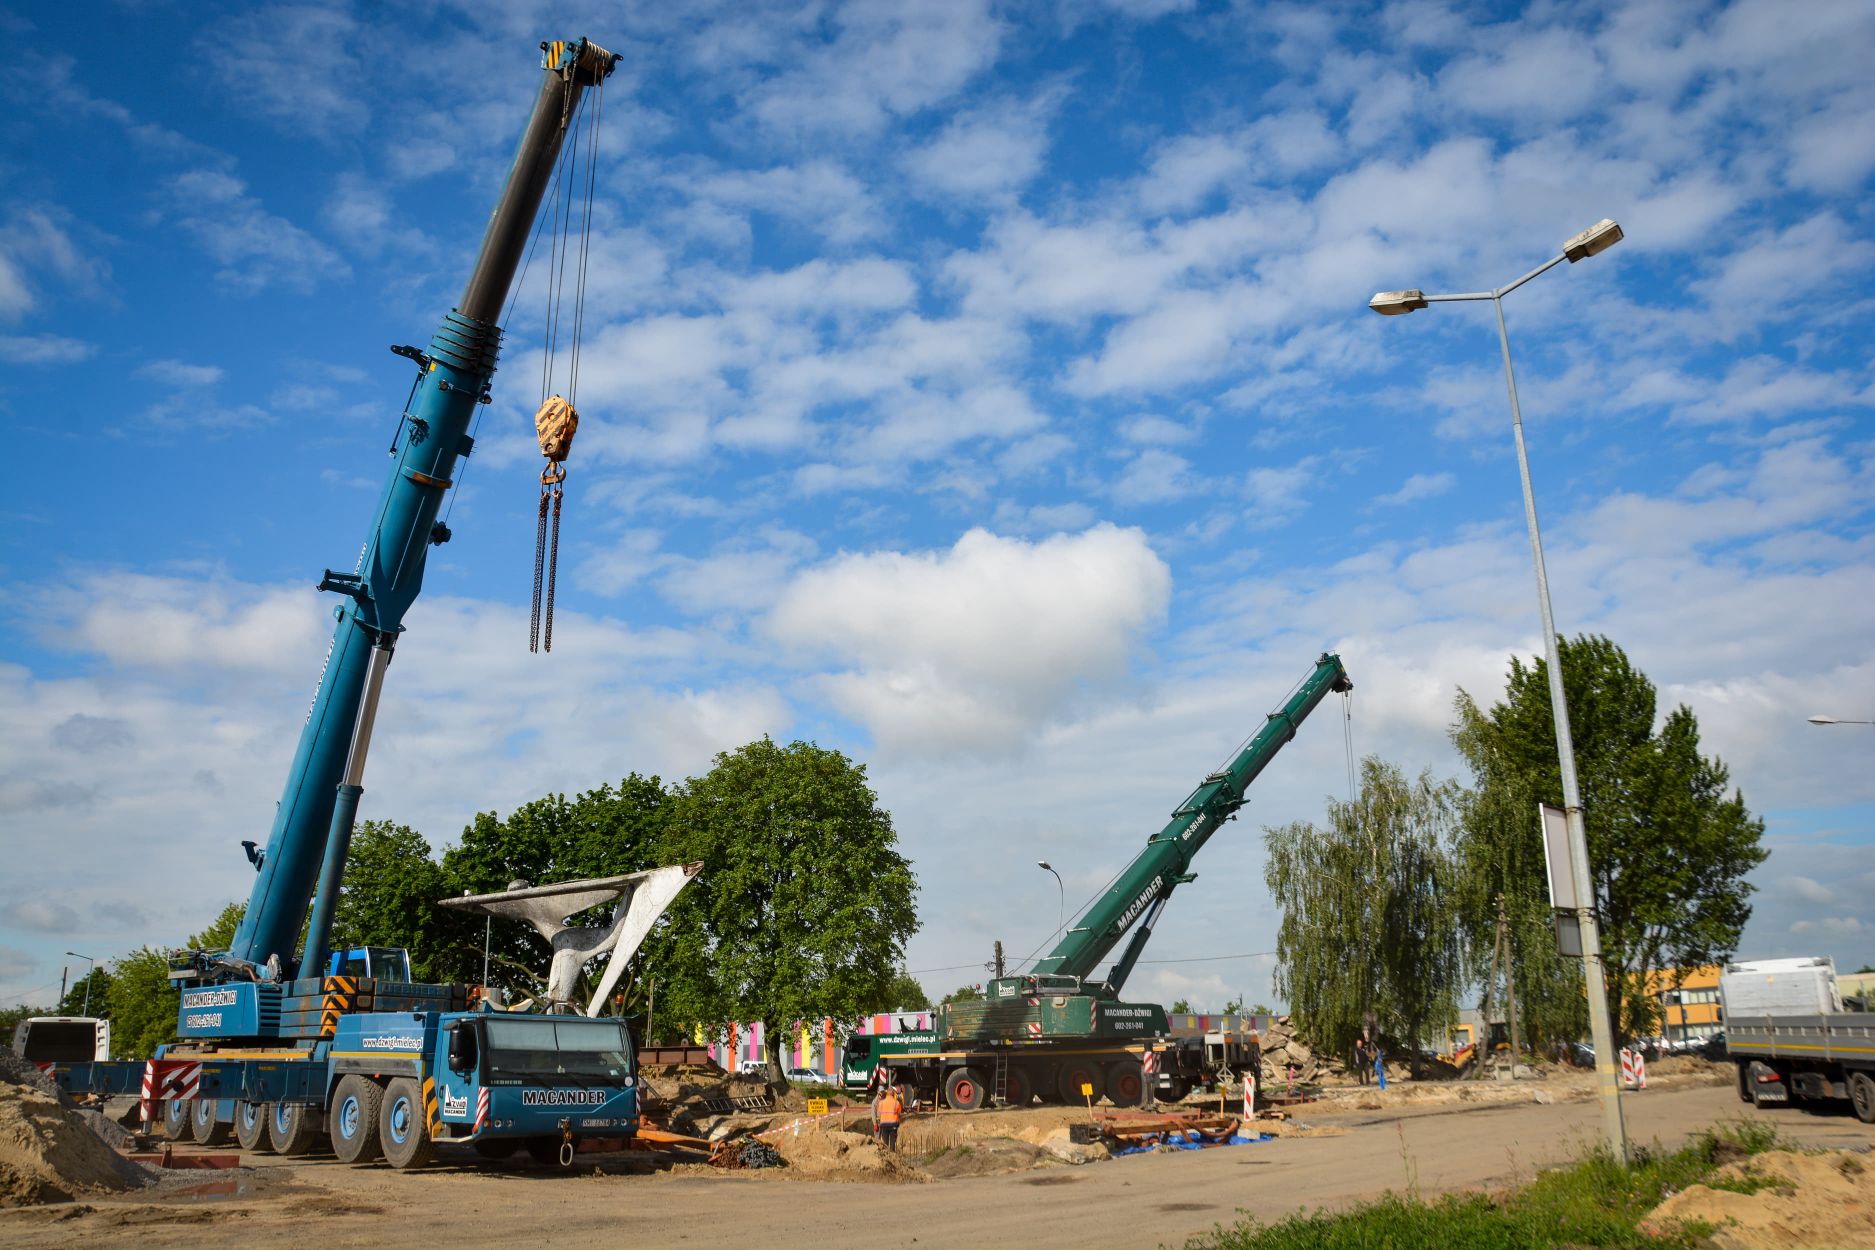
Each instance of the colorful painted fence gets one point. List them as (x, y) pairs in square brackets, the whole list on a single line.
[(814, 1045)]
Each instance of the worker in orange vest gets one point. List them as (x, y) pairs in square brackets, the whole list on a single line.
[(887, 1111)]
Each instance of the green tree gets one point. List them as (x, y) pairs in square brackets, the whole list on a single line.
[(804, 904), (903, 993), (389, 898), (219, 935), (88, 994), (965, 994), (1669, 850), (1181, 1007), (1369, 923), (142, 1003)]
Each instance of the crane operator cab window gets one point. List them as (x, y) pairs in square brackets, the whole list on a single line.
[(541, 1050)]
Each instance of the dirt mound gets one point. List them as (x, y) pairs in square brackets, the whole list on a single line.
[(988, 1156), (823, 1150), (1797, 1201), (49, 1154), (17, 1071)]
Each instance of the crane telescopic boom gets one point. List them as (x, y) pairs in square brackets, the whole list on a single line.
[(1141, 890), (312, 826)]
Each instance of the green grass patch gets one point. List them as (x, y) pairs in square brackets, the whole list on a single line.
[(1593, 1203)]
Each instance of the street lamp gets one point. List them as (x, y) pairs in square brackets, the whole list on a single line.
[(1597, 238), (1061, 894), (1836, 720), (94, 963)]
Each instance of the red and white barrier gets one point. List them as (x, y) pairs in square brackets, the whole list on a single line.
[(1633, 1069), (1249, 1097)]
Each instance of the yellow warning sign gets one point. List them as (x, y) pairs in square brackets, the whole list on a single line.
[(817, 1106)]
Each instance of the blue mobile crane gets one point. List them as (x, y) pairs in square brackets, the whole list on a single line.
[(289, 1049)]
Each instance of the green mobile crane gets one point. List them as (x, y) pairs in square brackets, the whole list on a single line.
[(1054, 1030)]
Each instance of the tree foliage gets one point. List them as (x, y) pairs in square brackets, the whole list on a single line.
[(804, 904), (904, 993), (1669, 850), (389, 898), (1369, 919)]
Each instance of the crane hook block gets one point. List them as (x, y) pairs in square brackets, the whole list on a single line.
[(556, 423)]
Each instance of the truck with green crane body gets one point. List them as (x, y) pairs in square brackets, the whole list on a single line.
[(1056, 1032)]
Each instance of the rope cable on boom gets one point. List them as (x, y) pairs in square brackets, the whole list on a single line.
[(557, 420)]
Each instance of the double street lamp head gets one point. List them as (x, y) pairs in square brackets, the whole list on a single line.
[(1597, 239)]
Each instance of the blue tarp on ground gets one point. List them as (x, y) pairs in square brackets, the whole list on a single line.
[(1193, 1141)]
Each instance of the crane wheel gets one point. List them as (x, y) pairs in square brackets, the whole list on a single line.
[(1074, 1075), (204, 1128), (964, 1089), (1126, 1083), (250, 1127), (293, 1128), (1018, 1089), (174, 1125), (355, 1108), (403, 1129)]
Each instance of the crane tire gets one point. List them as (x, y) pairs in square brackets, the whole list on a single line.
[(1018, 1089), (965, 1089), (356, 1104), (403, 1126), (1075, 1074), (204, 1128), (293, 1128), (250, 1127), (1126, 1083)]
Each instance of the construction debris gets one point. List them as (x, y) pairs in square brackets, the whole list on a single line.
[(48, 1151)]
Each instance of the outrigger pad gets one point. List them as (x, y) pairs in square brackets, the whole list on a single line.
[(642, 898)]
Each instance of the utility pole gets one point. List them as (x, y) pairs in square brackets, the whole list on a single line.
[(1510, 986), (999, 959)]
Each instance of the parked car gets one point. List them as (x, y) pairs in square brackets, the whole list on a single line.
[(1714, 1049), (806, 1076)]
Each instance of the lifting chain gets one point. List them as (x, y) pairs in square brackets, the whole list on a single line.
[(555, 424)]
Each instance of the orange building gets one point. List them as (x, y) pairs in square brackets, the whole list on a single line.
[(1688, 1002)]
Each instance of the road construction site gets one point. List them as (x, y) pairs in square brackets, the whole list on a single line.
[(969, 1179)]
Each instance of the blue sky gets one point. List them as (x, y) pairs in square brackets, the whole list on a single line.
[(985, 390)]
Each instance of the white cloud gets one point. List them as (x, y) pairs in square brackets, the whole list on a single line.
[(1154, 476), (254, 248), (41, 349), (889, 59), (1416, 487), (985, 153), (970, 649)]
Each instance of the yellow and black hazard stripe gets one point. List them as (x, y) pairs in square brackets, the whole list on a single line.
[(430, 1112), (340, 994)]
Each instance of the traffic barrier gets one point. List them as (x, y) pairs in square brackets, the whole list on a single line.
[(1633, 1069)]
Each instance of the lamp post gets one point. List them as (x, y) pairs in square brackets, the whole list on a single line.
[(1837, 720), (1597, 238), (1061, 894), (92, 964)]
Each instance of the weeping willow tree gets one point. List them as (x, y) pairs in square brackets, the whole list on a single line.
[(1370, 923)]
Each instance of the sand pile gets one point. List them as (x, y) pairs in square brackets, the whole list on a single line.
[(1799, 1201), (48, 1153), (824, 1150)]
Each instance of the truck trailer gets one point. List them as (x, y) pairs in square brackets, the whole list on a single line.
[(1790, 1039)]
